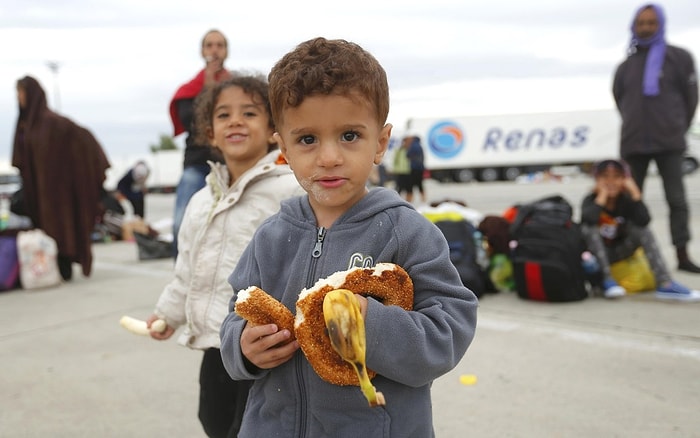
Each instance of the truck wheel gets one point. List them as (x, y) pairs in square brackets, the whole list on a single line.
[(464, 175), (689, 165), (511, 173), (489, 174)]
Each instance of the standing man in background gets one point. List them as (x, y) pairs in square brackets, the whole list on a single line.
[(402, 169), (416, 158), (195, 167), (656, 92)]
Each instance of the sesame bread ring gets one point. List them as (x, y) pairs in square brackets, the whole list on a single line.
[(386, 282), (258, 307)]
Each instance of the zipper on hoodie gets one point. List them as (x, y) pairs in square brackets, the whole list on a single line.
[(315, 254), (318, 248)]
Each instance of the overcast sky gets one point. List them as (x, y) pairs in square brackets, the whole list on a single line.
[(121, 60)]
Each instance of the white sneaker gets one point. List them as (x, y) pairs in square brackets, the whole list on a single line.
[(613, 290)]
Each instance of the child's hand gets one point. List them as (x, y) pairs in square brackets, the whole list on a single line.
[(363, 304), (602, 194), (632, 189), (264, 345), (161, 336)]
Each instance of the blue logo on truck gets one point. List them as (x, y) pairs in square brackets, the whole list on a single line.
[(446, 139)]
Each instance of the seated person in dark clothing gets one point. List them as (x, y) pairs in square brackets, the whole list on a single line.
[(614, 221), (132, 187)]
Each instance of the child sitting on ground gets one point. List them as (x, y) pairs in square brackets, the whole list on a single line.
[(614, 221), (330, 102)]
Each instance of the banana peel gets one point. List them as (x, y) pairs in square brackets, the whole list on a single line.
[(346, 330)]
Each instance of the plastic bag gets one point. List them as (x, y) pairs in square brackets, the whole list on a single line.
[(152, 248), (634, 273), (501, 273), (37, 254)]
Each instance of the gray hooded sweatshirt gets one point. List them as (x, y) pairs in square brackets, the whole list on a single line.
[(408, 350)]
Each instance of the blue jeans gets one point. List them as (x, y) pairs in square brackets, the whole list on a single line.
[(191, 181)]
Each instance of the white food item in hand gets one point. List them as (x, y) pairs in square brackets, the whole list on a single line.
[(139, 327)]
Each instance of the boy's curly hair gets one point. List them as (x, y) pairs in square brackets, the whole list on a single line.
[(253, 85), (324, 67)]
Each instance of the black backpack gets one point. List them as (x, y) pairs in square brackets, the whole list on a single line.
[(462, 238), (546, 252)]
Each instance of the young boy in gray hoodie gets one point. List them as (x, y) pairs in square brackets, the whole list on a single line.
[(330, 102)]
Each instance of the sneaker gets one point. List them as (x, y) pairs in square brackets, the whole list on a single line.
[(678, 292), (613, 290)]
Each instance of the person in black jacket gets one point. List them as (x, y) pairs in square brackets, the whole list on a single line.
[(132, 187), (656, 93), (614, 223)]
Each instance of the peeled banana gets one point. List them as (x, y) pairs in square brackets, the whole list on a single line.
[(140, 327), (346, 329)]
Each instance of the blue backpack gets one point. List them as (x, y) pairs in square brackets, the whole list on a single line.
[(462, 238)]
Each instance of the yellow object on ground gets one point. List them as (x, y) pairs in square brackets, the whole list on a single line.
[(467, 379)]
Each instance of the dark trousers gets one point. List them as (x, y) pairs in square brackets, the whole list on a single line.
[(65, 267), (139, 206), (669, 165), (417, 179), (221, 399)]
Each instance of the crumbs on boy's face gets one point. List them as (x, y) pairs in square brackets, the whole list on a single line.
[(315, 191)]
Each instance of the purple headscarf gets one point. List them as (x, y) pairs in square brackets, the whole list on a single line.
[(657, 50)]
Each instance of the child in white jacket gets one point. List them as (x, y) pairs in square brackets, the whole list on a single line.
[(219, 222)]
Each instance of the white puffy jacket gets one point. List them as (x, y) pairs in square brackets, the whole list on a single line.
[(218, 224)]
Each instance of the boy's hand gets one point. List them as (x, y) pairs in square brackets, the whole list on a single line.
[(264, 345), (363, 304)]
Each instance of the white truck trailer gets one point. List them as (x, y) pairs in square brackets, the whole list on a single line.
[(493, 147)]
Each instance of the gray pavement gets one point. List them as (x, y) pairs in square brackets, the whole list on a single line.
[(624, 368)]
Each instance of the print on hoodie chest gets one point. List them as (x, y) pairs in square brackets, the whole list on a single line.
[(358, 260)]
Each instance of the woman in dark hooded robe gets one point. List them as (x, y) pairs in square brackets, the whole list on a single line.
[(63, 170)]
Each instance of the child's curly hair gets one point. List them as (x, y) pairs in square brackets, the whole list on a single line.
[(253, 85), (323, 67)]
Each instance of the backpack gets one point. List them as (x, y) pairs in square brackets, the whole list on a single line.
[(546, 252), (462, 238)]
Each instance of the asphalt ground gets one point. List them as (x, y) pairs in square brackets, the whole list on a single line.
[(596, 368)]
